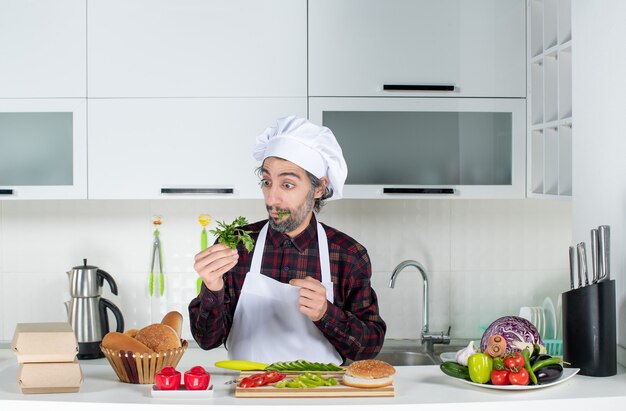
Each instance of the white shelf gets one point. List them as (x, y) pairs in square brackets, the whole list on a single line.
[(550, 99)]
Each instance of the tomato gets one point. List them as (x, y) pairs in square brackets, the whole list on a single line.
[(197, 378), (520, 377), (480, 366), (257, 380), (273, 376), (500, 377), (167, 379), (514, 361)]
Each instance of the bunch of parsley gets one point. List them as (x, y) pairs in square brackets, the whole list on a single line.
[(231, 234)]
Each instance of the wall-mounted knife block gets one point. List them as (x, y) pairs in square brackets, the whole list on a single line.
[(589, 323)]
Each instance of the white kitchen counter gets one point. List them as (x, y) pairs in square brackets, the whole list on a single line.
[(423, 385)]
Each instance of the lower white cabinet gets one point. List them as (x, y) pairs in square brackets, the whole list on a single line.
[(179, 148), (43, 149)]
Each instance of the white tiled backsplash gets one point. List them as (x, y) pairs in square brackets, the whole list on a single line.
[(485, 258)]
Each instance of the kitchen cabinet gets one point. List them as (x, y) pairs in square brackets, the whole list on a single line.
[(176, 148), (478, 47), (197, 48), (43, 48), (43, 149), (398, 148), (550, 99)]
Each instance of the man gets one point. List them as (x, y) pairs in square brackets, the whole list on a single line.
[(304, 292)]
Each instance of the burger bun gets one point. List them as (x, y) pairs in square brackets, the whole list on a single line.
[(369, 374)]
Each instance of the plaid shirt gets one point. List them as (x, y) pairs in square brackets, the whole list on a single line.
[(352, 323)]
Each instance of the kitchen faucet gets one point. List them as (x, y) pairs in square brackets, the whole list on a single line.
[(428, 338)]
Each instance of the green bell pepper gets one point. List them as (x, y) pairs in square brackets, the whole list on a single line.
[(480, 366)]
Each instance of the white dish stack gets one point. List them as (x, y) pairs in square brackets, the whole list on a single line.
[(547, 322)]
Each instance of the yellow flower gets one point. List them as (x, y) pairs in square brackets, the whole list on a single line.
[(204, 220)]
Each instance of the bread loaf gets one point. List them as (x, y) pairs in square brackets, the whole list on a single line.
[(158, 337), (132, 332), (120, 341), (175, 320)]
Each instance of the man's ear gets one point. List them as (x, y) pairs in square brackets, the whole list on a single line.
[(319, 191)]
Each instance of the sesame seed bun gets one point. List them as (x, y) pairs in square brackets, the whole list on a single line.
[(369, 374)]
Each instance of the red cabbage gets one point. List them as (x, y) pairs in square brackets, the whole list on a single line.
[(512, 328)]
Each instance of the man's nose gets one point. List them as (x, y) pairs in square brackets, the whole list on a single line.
[(272, 195)]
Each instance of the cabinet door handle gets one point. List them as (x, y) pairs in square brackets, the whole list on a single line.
[(192, 190), (393, 190), (418, 87), (6, 192)]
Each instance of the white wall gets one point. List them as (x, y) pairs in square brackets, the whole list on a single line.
[(485, 258), (599, 139)]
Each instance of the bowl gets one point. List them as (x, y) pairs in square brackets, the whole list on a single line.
[(140, 368)]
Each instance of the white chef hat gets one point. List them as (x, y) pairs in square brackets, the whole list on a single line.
[(312, 147)]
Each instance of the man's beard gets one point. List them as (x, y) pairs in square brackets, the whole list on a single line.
[(294, 217)]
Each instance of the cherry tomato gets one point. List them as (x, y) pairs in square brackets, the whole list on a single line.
[(520, 377), (514, 361), (167, 379), (500, 377)]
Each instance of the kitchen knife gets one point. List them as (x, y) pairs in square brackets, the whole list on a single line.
[(582, 264), (604, 252), (594, 255), (572, 264), (241, 365)]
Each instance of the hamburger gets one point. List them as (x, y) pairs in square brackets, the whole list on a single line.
[(369, 374)]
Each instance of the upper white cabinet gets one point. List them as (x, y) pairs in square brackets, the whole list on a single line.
[(478, 47), (177, 148), (43, 148), (550, 99), (42, 48), (197, 48)]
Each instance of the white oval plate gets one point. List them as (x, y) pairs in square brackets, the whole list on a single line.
[(548, 308), (567, 374)]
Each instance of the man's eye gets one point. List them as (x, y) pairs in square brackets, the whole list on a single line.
[(264, 183), (288, 185)]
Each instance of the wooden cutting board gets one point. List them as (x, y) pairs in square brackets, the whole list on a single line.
[(339, 390)]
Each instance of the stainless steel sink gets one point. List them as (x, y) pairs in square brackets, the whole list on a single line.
[(407, 358), (411, 352)]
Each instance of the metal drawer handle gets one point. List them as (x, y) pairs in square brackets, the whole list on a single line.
[(392, 190), (6, 192), (191, 190), (419, 87)]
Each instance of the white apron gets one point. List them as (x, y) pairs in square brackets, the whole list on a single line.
[(268, 325)]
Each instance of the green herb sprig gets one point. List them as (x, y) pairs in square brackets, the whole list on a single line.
[(231, 234)]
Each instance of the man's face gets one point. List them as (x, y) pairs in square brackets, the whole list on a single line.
[(289, 196)]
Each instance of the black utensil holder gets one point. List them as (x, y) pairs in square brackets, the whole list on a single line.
[(589, 323)]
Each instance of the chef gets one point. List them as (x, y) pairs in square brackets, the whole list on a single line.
[(304, 291)]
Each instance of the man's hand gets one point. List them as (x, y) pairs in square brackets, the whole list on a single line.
[(312, 300), (212, 263)]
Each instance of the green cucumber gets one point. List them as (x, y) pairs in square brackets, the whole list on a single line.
[(454, 369), (303, 365)]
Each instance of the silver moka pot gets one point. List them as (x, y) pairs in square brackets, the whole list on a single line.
[(87, 311)]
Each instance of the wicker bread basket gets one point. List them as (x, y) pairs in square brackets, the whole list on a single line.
[(140, 368)]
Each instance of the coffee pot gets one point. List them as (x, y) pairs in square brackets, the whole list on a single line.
[(87, 311)]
